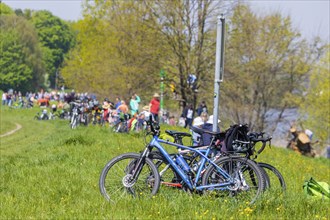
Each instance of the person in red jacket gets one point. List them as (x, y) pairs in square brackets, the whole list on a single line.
[(154, 106)]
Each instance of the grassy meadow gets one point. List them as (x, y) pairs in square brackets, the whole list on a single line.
[(49, 171)]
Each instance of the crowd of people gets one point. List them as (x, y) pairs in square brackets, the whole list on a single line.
[(131, 109)]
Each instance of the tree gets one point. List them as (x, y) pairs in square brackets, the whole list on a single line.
[(20, 55), (5, 9), (116, 53), (188, 28), (267, 63), (315, 105), (121, 40), (56, 39)]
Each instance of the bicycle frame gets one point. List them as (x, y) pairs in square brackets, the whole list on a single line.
[(156, 142)]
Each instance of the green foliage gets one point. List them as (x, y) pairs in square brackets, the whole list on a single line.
[(56, 39), (48, 171), (5, 9), (267, 63), (20, 64), (187, 27), (23, 64), (116, 53), (122, 42), (316, 105)]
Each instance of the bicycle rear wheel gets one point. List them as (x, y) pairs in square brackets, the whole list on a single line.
[(248, 182), (276, 180), (116, 182)]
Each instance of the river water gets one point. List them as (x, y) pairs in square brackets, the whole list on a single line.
[(281, 132)]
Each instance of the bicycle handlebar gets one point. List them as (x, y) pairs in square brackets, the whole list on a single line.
[(259, 137)]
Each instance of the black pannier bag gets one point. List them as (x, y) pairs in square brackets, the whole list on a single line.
[(237, 139)]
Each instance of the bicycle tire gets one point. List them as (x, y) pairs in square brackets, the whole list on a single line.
[(74, 122), (114, 180), (266, 177), (117, 127), (247, 188), (274, 176)]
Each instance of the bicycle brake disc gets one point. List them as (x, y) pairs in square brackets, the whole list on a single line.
[(128, 180)]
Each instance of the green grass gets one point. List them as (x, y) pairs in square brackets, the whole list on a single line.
[(49, 171)]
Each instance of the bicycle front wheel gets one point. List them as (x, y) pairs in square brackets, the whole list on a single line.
[(116, 180), (247, 180), (74, 122)]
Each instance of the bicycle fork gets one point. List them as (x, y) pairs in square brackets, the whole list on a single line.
[(139, 165)]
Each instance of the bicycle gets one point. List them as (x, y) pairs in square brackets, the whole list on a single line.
[(42, 116), (227, 176), (75, 114), (247, 148), (121, 123)]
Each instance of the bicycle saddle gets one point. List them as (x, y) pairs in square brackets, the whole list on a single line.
[(177, 133), (204, 131)]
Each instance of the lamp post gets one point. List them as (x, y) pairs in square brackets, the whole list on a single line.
[(162, 76), (219, 68)]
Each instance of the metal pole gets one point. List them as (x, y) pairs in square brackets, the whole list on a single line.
[(56, 75), (219, 66), (162, 75)]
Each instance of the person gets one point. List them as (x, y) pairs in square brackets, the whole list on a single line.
[(118, 102), (4, 98), (143, 117), (106, 109), (54, 108), (204, 122), (300, 142), (60, 105), (202, 108), (309, 133), (134, 104), (154, 107), (205, 117), (208, 125), (172, 121), (132, 123), (123, 108), (188, 115), (43, 102), (9, 99), (196, 138)]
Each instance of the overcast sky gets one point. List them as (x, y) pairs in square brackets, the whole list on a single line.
[(310, 17)]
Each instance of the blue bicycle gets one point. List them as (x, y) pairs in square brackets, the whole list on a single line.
[(135, 173)]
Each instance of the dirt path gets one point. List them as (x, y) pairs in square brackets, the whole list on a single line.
[(18, 126)]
